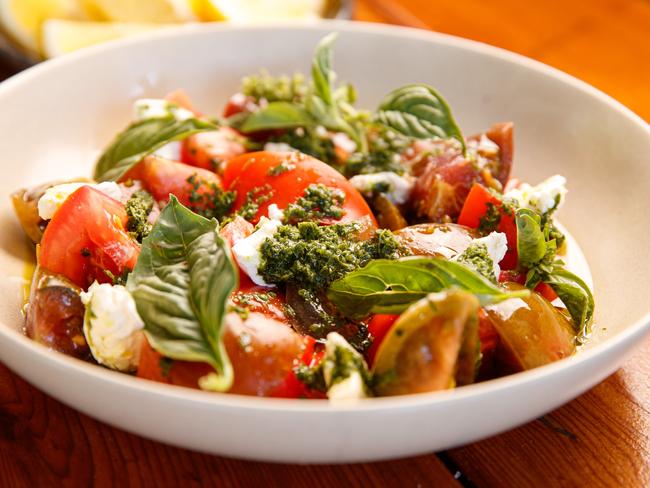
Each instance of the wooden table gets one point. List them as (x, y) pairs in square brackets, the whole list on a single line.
[(599, 439)]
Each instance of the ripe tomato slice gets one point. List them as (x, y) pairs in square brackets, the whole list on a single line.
[(211, 150), (476, 207), (160, 177), (86, 237), (255, 172), (378, 327)]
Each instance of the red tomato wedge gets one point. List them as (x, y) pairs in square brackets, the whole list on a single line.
[(160, 177), (517, 277), (254, 172), (378, 327), (263, 353), (476, 207), (211, 150), (87, 236)]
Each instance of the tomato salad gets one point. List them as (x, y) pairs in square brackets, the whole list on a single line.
[(296, 246)]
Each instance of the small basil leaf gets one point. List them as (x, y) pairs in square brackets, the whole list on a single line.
[(531, 242), (321, 69), (141, 139), (276, 115), (576, 296), (180, 285), (389, 286), (418, 110)]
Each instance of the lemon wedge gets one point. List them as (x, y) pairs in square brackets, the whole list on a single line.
[(21, 20), (157, 11), (64, 36), (257, 10)]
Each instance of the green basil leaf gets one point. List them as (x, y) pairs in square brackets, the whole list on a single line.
[(531, 242), (180, 285), (389, 286), (276, 115), (418, 110), (576, 296), (321, 69), (141, 139)]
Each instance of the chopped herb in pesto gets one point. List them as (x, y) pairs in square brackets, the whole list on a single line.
[(312, 377), (118, 279), (476, 256), (339, 363), (309, 140), (385, 148), (165, 365), (275, 89), (318, 202), (281, 168), (254, 199), (313, 256), (208, 200), (492, 218), (138, 208)]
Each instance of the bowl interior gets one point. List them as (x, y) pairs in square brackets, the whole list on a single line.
[(55, 119)]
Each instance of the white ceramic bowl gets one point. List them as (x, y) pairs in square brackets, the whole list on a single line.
[(54, 118)]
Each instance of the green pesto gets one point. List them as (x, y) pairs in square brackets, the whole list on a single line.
[(275, 89), (310, 141), (385, 148), (313, 256), (208, 200), (318, 202), (165, 365), (281, 168), (254, 199), (345, 362), (476, 256), (138, 208)]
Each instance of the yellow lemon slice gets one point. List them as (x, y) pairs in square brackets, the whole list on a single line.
[(258, 10), (64, 36), (162, 11), (21, 20)]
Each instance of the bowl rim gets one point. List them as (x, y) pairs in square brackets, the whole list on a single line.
[(633, 331)]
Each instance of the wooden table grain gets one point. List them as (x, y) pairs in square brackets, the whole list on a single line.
[(600, 439)]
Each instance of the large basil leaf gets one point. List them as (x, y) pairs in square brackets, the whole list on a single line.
[(276, 115), (181, 284), (141, 139), (418, 110), (531, 242), (576, 296), (389, 286)]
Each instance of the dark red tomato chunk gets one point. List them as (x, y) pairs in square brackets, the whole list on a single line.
[(445, 175), (87, 237), (162, 177), (281, 178)]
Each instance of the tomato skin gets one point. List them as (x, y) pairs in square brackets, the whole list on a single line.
[(182, 99), (262, 365), (476, 206), (378, 327), (87, 236), (162, 177), (211, 150), (251, 171), (239, 103), (516, 277)]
